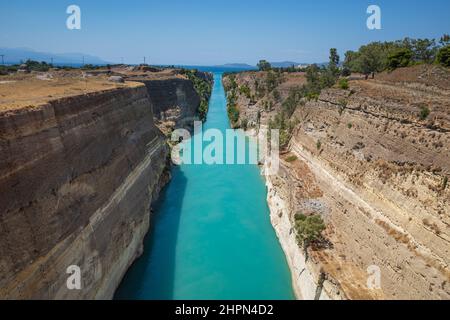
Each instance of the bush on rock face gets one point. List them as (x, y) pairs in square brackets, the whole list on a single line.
[(309, 229)]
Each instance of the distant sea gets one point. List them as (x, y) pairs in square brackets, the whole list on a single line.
[(218, 69), (213, 69)]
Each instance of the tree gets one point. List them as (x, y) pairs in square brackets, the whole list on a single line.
[(37, 66), (272, 80), (263, 65), (333, 65), (445, 40), (443, 56), (351, 63), (371, 59), (399, 58), (328, 77), (424, 50), (292, 101)]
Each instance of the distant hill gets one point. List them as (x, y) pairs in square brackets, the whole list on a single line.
[(236, 66), (16, 55), (285, 64)]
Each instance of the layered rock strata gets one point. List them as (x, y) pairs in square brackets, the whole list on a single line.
[(373, 161), (78, 175)]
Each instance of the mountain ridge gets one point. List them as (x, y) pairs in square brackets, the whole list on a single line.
[(17, 55)]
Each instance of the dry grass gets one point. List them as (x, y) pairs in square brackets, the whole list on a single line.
[(426, 74), (23, 90)]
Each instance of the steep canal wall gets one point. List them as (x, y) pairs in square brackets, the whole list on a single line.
[(77, 177)]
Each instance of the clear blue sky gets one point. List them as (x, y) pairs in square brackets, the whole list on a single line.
[(205, 32)]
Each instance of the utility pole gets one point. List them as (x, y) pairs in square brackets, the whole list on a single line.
[(3, 56), (144, 59)]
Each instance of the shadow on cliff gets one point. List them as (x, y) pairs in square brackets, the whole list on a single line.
[(152, 275)]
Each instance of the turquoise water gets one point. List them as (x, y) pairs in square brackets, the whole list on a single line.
[(210, 235)]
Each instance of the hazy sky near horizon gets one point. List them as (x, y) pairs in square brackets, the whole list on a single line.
[(207, 32)]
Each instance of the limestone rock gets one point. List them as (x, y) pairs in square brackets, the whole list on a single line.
[(117, 79)]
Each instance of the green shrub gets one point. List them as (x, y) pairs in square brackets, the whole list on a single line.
[(292, 101), (245, 90), (88, 67), (349, 126), (233, 113), (272, 81), (309, 229), (444, 183), (37, 66), (291, 158), (5, 70), (203, 110), (276, 95), (318, 145), (312, 96), (342, 105), (424, 113), (285, 127), (244, 124), (343, 84)]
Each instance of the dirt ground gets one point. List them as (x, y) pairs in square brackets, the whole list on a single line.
[(21, 90), (33, 89)]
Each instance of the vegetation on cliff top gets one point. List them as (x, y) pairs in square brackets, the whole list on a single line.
[(316, 79), (29, 65), (380, 56), (232, 110), (263, 65), (368, 60), (443, 56), (203, 87)]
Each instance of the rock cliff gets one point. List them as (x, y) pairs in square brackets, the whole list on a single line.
[(175, 98), (373, 161), (77, 177)]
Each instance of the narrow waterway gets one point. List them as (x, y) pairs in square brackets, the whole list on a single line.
[(210, 235)]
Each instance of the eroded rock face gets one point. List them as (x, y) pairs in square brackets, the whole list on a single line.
[(77, 177), (174, 99), (78, 174), (375, 169)]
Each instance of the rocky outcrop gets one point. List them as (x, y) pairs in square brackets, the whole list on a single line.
[(175, 99), (373, 162), (77, 178)]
